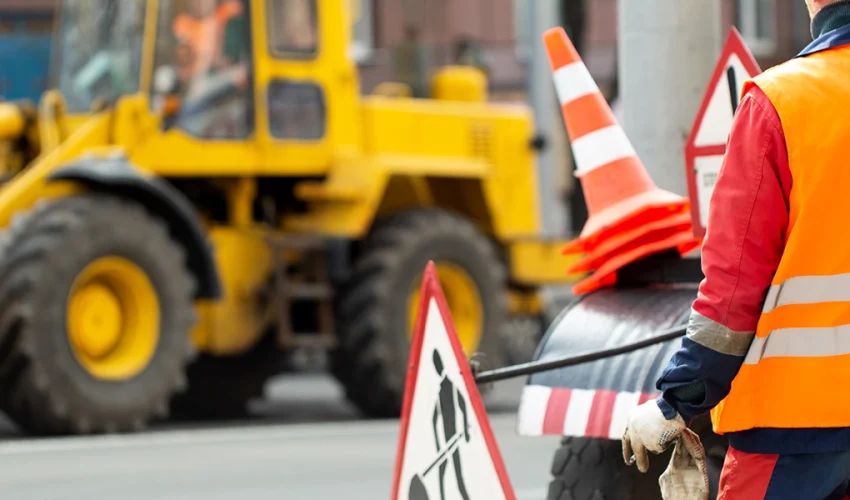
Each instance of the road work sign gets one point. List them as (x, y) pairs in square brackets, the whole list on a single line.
[(707, 143), (446, 448)]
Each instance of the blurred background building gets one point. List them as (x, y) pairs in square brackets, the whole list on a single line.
[(25, 27), (775, 30), (493, 31)]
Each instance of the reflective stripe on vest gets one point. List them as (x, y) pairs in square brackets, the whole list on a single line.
[(800, 353), (808, 290), (803, 342), (800, 343)]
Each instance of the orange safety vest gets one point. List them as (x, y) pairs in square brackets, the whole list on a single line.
[(203, 38), (797, 370)]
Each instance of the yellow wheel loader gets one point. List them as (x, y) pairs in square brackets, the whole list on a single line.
[(204, 189)]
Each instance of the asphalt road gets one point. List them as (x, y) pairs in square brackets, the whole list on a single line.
[(306, 443)]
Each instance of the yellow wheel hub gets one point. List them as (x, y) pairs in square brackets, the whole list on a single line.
[(464, 301), (113, 319)]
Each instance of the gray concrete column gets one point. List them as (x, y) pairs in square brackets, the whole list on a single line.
[(542, 15), (667, 51)]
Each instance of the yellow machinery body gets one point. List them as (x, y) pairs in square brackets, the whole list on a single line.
[(360, 160)]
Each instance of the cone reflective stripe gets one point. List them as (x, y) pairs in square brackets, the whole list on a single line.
[(596, 137), (617, 187)]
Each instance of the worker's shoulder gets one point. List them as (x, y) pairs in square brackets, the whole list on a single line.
[(787, 70), (788, 80), (796, 73)]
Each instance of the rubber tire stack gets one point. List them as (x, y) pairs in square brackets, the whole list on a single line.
[(45, 390), (371, 310)]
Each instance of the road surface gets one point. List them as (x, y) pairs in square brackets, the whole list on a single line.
[(278, 456), (306, 443), (279, 462)]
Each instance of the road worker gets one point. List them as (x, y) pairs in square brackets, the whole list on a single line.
[(212, 50), (767, 349), (201, 36)]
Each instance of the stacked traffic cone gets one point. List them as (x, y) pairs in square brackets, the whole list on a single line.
[(629, 216)]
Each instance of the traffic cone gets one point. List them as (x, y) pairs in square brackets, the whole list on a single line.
[(630, 218), (619, 193)]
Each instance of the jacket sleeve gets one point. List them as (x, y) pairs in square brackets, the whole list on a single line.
[(745, 238)]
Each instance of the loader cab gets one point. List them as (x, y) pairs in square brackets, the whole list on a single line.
[(262, 87)]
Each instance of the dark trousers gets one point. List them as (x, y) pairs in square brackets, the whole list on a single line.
[(815, 476)]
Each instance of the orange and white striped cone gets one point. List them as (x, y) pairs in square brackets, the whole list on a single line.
[(619, 193)]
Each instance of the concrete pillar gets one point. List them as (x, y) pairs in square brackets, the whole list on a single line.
[(667, 51), (542, 15)]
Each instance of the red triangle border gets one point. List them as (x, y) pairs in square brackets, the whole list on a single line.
[(735, 45)]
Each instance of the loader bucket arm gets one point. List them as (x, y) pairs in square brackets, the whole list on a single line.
[(32, 184)]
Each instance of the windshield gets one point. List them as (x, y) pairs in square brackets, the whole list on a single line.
[(98, 51)]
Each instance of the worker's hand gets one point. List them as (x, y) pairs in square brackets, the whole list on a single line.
[(241, 77), (648, 430)]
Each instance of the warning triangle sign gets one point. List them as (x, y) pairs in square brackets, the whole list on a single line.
[(446, 447), (706, 145)]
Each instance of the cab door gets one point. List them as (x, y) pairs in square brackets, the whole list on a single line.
[(306, 84), (206, 46)]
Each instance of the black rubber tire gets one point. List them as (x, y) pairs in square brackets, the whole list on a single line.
[(593, 469), (371, 309), (220, 387), (44, 388)]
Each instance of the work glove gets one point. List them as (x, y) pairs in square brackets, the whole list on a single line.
[(648, 430), (686, 477)]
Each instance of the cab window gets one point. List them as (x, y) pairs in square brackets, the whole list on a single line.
[(293, 28), (98, 52), (204, 45), (296, 110)]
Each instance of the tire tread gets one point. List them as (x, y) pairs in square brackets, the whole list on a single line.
[(361, 362)]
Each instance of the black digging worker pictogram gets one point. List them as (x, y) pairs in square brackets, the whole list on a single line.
[(444, 408)]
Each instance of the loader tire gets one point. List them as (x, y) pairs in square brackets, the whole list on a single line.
[(220, 387), (593, 469), (96, 306), (372, 307)]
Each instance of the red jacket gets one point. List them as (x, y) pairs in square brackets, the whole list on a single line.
[(748, 217)]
